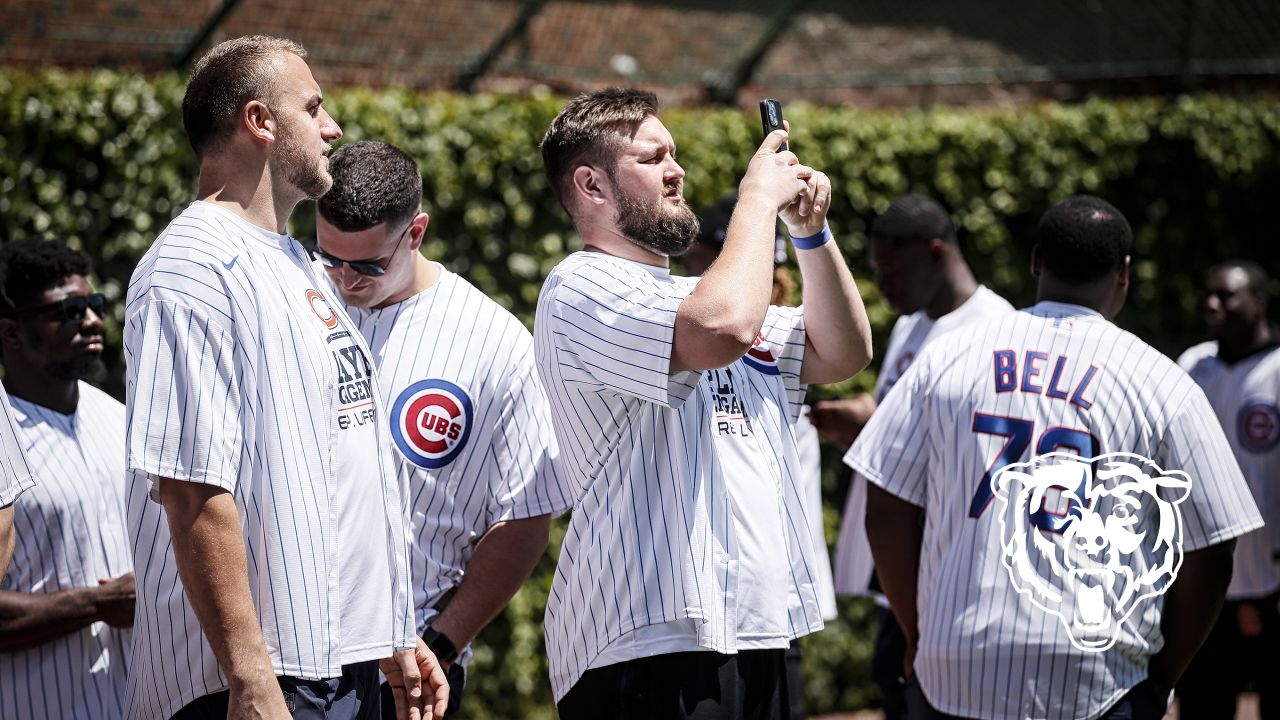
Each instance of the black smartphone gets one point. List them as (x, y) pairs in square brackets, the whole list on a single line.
[(771, 118)]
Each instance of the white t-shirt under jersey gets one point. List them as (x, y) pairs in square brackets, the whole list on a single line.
[(853, 565), (245, 373), (658, 541), (1051, 377), (470, 423), (1246, 398), (70, 534)]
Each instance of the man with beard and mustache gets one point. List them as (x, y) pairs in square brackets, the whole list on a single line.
[(688, 566), (269, 530), (66, 607)]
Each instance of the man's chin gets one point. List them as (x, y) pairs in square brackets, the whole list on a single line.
[(88, 367)]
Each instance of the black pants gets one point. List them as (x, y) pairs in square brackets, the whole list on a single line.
[(886, 665), (352, 696), (751, 685), (1228, 661), (795, 680), (457, 676), (1140, 703)]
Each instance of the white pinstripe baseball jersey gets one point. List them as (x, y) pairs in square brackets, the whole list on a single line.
[(16, 474), (246, 374), (853, 565), (70, 534), (1246, 397), (470, 422), (1053, 377), (809, 448), (664, 532)]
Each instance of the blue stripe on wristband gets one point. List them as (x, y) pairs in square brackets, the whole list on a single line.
[(813, 241)]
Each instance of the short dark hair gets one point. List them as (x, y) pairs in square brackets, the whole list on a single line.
[(914, 217), (1259, 281), (373, 182), (228, 76), (30, 266), (588, 131), (1083, 238)]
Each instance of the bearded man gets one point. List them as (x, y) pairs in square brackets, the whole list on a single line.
[(688, 566)]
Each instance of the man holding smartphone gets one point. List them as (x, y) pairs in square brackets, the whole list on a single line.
[(687, 567)]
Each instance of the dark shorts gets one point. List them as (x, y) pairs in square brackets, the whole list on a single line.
[(457, 680), (354, 695), (751, 685), (1140, 703)]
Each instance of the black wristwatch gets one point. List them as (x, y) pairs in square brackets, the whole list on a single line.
[(440, 644)]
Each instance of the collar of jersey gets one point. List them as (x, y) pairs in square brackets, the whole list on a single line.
[(284, 242), (1051, 308)]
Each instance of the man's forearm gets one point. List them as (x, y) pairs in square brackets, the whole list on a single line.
[(6, 538), (501, 563), (28, 620), (1191, 607), (837, 331), (209, 549), (894, 533)]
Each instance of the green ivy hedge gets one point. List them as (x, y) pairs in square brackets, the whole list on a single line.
[(100, 159)]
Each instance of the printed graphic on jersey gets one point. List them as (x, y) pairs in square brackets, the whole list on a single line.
[(728, 417), (760, 357), (322, 309), (1259, 426), (1119, 543), (431, 421)]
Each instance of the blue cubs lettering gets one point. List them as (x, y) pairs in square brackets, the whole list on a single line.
[(431, 422)]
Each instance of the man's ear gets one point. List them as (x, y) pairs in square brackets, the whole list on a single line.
[(10, 338), (591, 185), (1037, 262), (257, 118), (418, 233), (1122, 278)]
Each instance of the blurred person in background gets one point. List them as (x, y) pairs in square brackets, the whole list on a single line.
[(688, 565), (713, 222), (918, 267), (16, 477), (1239, 370), (67, 603), (469, 417)]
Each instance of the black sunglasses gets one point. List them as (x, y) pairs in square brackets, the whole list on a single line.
[(72, 308), (364, 267)]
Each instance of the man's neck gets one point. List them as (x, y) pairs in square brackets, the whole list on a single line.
[(610, 241), (425, 276), (1232, 350), (252, 197), (957, 287), (61, 396)]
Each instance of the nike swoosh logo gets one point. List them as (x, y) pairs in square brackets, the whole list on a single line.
[(229, 265)]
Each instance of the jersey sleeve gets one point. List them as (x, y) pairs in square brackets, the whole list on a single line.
[(184, 414), (16, 474), (614, 330), (892, 449), (1218, 506), (523, 482), (783, 330)]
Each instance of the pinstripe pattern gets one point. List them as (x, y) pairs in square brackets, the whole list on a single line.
[(853, 565), (234, 373), (70, 533), (16, 474), (503, 471), (985, 650), (1243, 396), (652, 537)]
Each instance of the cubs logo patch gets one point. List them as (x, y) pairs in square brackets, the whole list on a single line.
[(1258, 426), (431, 421), (322, 309), (761, 358)]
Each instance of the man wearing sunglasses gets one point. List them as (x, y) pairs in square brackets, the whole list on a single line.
[(469, 417), (68, 601)]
